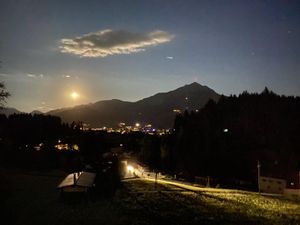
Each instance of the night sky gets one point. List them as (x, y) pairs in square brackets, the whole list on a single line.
[(133, 49)]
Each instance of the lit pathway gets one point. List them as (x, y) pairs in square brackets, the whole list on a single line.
[(190, 186), (150, 176)]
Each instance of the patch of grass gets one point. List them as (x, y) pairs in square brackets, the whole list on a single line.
[(215, 206), (32, 198)]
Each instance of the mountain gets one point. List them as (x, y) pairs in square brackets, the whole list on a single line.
[(158, 110), (36, 112), (9, 111)]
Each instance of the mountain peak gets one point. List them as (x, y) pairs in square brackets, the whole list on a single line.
[(194, 84), (36, 112), (194, 87)]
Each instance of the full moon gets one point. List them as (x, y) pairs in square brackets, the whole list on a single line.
[(74, 95)]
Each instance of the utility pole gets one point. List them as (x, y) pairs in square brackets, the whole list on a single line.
[(155, 180), (208, 182), (258, 175), (299, 181)]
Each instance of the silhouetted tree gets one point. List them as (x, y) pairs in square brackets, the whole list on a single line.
[(4, 94)]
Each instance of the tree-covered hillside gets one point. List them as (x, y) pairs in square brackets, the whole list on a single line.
[(225, 139)]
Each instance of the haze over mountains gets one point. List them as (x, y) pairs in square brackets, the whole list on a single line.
[(158, 110), (8, 111)]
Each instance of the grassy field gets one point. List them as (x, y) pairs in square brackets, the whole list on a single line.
[(32, 198), (215, 206)]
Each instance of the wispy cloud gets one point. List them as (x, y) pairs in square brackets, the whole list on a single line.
[(66, 76), (31, 75), (35, 75), (170, 57), (113, 42)]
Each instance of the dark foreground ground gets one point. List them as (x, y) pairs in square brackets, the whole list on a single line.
[(32, 198)]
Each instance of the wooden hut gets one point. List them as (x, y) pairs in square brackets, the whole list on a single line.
[(78, 182)]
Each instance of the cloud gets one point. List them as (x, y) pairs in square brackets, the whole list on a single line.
[(66, 76), (113, 42), (31, 75), (35, 76), (170, 57)]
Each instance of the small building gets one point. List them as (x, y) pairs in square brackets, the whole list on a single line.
[(292, 192), (272, 185), (293, 186), (78, 182)]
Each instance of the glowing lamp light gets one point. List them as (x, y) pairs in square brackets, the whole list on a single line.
[(130, 169), (137, 125)]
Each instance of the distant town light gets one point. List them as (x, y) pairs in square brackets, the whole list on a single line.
[(176, 110), (62, 146), (137, 125), (75, 147)]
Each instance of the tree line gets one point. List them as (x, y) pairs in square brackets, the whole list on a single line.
[(226, 138)]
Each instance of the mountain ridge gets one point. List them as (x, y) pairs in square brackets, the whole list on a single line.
[(157, 109)]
